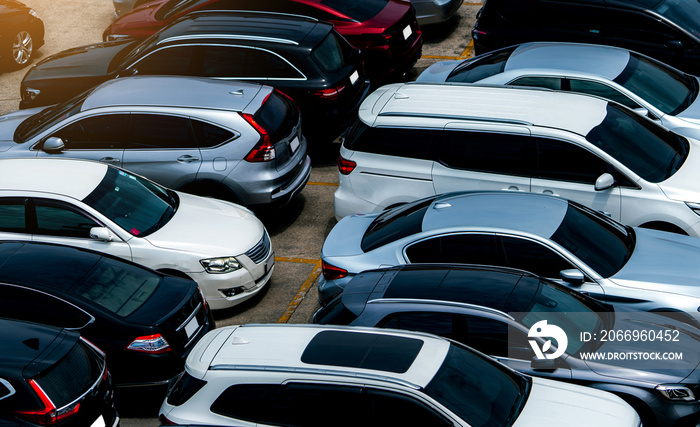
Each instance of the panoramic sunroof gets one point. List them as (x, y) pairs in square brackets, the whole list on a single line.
[(362, 350)]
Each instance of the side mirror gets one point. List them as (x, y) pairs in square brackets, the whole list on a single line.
[(102, 234), (604, 182), (543, 364), (572, 277), (641, 111), (53, 144)]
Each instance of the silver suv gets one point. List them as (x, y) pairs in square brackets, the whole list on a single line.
[(230, 140)]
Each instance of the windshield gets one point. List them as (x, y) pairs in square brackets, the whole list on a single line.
[(129, 54), (660, 85), (173, 7), (684, 13), (649, 150), (394, 224), (48, 117), (135, 204), (486, 66), (598, 241), (358, 10), (479, 390)]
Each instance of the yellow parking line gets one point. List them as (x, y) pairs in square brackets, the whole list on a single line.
[(472, 4), (298, 260), (299, 297), (329, 184), (436, 57), (468, 51)]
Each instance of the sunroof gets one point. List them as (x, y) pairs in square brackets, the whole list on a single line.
[(362, 350)]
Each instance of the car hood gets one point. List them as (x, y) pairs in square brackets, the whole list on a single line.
[(682, 185), (209, 227), (140, 22), (438, 72), (559, 403), (346, 237), (663, 262), (9, 123)]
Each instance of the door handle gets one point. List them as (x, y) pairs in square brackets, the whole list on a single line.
[(187, 159), (550, 192), (112, 160), (512, 188)]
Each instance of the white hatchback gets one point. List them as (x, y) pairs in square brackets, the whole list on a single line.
[(220, 245)]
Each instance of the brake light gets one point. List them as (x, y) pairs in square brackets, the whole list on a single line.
[(331, 272), (206, 305), (49, 415), (330, 93), (264, 151), (476, 32), (165, 422), (345, 166), (153, 344)]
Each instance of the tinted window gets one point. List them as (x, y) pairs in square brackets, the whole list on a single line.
[(458, 249), (160, 131), (95, 133), (230, 61), (278, 115), (359, 10), (331, 53), (534, 257), (686, 14), (12, 217), (209, 135), (58, 219), (174, 61), (487, 152), (545, 82), (564, 161), (602, 90), (432, 323), (394, 409), (400, 142), (71, 376), (394, 224), (49, 117), (33, 306), (266, 64), (484, 66), (335, 313)]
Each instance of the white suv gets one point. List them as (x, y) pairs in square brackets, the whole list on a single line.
[(309, 375), (415, 140)]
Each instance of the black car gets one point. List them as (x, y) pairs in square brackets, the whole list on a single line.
[(668, 30), (21, 33), (146, 322), (304, 58), (495, 309), (51, 376)]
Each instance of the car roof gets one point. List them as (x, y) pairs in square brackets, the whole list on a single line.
[(532, 213), (174, 91), (22, 342), (504, 105), (242, 26), (338, 351), (70, 177)]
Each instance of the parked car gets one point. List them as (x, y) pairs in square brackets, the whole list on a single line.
[(668, 30), (21, 33), (549, 236), (492, 309), (660, 92), (146, 322), (261, 374), (417, 140), (305, 58), (386, 31), (92, 205), (51, 376), (430, 12), (232, 140)]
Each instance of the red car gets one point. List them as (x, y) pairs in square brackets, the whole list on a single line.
[(386, 31)]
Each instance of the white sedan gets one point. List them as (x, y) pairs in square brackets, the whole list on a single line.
[(220, 245)]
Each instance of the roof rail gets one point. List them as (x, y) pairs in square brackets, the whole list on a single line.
[(228, 37), (457, 117), (441, 302)]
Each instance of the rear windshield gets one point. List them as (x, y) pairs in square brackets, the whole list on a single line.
[(485, 66), (278, 115), (395, 224), (358, 10), (117, 287), (335, 313), (71, 376), (332, 53)]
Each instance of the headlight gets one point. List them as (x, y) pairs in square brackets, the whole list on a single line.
[(694, 206), (33, 13), (28, 93), (676, 392), (220, 265)]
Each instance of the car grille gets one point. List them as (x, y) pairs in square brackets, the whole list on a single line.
[(260, 250)]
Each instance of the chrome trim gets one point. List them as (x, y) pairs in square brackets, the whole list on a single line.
[(254, 12), (194, 313), (440, 302), (194, 336), (9, 387), (92, 318), (456, 117), (229, 37)]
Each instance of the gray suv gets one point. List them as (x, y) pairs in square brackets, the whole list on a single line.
[(230, 140)]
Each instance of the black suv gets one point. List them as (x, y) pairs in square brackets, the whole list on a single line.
[(51, 376), (303, 57), (668, 30)]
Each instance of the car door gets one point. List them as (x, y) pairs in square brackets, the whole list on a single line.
[(570, 20), (163, 148), (567, 170), (98, 137), (494, 158)]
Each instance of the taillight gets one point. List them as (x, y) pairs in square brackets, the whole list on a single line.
[(331, 272), (263, 151), (204, 300), (49, 415), (153, 344), (165, 422), (330, 93), (345, 166), (476, 33)]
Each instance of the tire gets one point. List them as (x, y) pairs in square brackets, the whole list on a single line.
[(21, 48)]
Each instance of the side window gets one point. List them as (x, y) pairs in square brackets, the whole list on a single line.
[(160, 131), (501, 153), (223, 61), (103, 132), (268, 65), (32, 306), (175, 61), (209, 135), (400, 142), (532, 256), (639, 29), (487, 335), (602, 90), (60, 219), (564, 161), (459, 249), (546, 82), (12, 215), (429, 322), (396, 409)]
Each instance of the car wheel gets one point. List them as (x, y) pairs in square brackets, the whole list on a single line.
[(21, 48)]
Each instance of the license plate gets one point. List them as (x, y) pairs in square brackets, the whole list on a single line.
[(407, 32), (100, 422), (191, 327), (294, 144), (354, 76)]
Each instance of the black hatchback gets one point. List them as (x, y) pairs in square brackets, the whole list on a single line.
[(51, 376), (146, 322), (304, 58)]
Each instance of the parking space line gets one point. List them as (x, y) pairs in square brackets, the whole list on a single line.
[(329, 184), (439, 57), (472, 4), (299, 297), (468, 51), (297, 260)]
